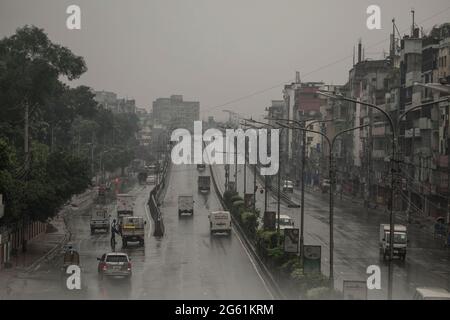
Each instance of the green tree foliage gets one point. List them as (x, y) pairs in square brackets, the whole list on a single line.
[(62, 121)]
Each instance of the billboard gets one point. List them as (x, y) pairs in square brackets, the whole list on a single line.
[(291, 240)]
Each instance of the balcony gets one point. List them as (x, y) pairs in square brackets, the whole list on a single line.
[(425, 123), (378, 154), (413, 132), (379, 129), (443, 161)]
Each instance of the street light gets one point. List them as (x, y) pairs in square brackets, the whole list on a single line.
[(332, 181), (278, 175), (254, 174), (394, 131), (302, 201)]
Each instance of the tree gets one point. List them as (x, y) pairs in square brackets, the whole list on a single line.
[(33, 66)]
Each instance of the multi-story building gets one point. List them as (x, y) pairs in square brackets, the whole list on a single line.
[(307, 106), (110, 102), (173, 112)]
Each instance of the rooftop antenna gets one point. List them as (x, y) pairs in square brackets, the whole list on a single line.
[(353, 55), (297, 76), (413, 24)]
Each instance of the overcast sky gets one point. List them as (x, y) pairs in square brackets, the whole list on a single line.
[(216, 51)]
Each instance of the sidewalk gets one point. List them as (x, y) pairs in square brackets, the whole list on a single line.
[(41, 249)]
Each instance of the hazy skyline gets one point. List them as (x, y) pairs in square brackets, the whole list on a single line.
[(216, 51)]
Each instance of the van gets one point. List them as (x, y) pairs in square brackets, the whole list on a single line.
[(220, 222)]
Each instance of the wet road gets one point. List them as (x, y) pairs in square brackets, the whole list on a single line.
[(356, 234), (187, 263)]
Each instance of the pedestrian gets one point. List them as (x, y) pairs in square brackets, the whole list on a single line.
[(114, 230)]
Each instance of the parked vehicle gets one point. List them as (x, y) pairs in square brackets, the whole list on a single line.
[(204, 183), (132, 229), (185, 204), (429, 293), (220, 222), (114, 264), (125, 205), (288, 186), (201, 166), (99, 219), (286, 222), (400, 241)]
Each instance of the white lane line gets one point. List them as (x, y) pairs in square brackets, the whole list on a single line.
[(254, 265)]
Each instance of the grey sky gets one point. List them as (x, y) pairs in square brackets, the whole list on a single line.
[(215, 51)]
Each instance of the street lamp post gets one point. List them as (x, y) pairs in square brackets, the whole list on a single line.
[(302, 124), (394, 131), (332, 182), (278, 175)]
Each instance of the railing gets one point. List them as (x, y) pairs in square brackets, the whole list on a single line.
[(155, 200)]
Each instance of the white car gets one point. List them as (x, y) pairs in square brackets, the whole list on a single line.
[(220, 222), (286, 222), (288, 186)]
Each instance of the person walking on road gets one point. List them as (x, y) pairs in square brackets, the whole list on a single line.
[(114, 230)]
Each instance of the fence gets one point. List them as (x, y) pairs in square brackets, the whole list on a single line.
[(155, 199), (13, 237)]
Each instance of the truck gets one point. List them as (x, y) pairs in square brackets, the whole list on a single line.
[(185, 204), (99, 219), (400, 241), (220, 222), (204, 183), (132, 229), (125, 205)]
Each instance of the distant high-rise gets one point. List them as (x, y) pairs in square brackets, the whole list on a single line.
[(174, 113)]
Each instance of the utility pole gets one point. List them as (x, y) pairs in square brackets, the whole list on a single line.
[(26, 139), (254, 173), (235, 165), (302, 203), (245, 165)]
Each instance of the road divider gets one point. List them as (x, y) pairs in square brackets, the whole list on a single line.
[(156, 194)]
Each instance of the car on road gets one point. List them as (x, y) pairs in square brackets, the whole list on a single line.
[(429, 293), (220, 222), (185, 205), (114, 264), (288, 186), (286, 222)]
